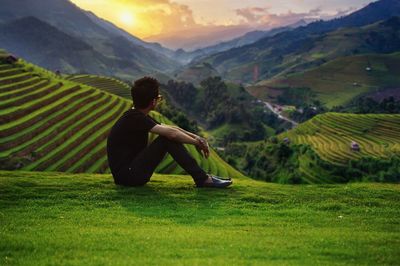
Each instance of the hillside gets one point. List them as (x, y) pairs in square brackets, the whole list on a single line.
[(49, 123), (83, 219), (196, 73), (108, 84), (304, 47), (338, 81), (49, 47), (331, 134), (329, 148), (225, 109)]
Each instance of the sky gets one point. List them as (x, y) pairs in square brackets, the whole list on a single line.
[(148, 18)]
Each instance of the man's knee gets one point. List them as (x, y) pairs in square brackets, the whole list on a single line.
[(131, 181), (162, 139), (167, 141)]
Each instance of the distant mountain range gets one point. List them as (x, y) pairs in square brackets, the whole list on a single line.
[(295, 49), (247, 38), (198, 37)]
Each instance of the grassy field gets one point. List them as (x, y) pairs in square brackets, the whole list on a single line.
[(80, 219), (330, 136), (339, 81)]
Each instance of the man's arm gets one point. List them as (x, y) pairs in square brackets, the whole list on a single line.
[(203, 142), (174, 134), (187, 132), (179, 135)]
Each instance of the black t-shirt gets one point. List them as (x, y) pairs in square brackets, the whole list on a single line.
[(127, 138)]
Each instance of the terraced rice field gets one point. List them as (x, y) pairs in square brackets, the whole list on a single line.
[(108, 84), (52, 124), (331, 134)]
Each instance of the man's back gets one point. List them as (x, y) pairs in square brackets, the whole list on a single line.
[(127, 138)]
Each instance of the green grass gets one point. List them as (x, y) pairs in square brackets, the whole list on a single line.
[(80, 219)]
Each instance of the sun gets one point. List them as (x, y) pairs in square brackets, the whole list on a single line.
[(127, 18)]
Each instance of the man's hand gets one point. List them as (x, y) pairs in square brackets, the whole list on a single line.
[(203, 147), (201, 143)]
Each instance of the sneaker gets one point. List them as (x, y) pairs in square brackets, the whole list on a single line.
[(217, 182)]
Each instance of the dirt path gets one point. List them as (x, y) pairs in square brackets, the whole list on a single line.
[(280, 116)]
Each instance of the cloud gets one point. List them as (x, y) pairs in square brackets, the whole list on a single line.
[(161, 15), (261, 17)]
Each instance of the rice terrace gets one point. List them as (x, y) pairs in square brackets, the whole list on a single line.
[(330, 135), (166, 133)]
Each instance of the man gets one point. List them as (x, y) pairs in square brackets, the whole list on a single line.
[(132, 161)]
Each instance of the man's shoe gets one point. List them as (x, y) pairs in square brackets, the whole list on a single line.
[(223, 178), (217, 182)]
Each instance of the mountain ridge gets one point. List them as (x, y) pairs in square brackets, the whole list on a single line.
[(56, 50), (271, 50)]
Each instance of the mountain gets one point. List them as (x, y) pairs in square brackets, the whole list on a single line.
[(376, 11), (49, 123), (249, 37), (336, 82), (196, 73), (199, 37), (47, 46), (102, 36), (274, 54), (110, 27)]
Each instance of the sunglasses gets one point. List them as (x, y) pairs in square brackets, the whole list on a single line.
[(159, 98)]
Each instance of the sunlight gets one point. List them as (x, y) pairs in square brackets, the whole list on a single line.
[(128, 18)]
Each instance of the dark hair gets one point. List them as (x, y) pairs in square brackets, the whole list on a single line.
[(143, 91)]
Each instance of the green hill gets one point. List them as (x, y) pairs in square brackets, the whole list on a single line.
[(196, 73), (84, 219), (49, 123), (108, 84), (331, 134), (324, 150), (338, 81)]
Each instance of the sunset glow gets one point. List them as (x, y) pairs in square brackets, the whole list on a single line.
[(127, 18), (145, 18)]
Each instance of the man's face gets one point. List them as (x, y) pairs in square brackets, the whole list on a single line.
[(154, 103)]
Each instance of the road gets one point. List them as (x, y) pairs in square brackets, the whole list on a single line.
[(280, 116)]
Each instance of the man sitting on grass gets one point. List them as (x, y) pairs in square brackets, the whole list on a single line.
[(132, 161)]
